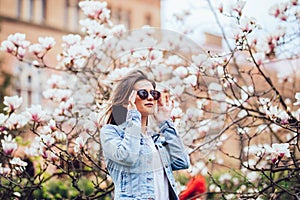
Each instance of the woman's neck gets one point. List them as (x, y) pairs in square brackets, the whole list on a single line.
[(144, 124)]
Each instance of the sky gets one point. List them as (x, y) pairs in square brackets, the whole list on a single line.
[(202, 19)]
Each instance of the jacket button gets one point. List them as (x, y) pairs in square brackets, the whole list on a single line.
[(166, 166)]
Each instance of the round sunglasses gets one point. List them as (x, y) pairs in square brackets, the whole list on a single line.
[(143, 94)]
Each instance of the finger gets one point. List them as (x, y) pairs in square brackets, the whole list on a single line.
[(167, 100), (160, 102), (132, 96), (172, 105)]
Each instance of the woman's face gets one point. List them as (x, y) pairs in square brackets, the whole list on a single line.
[(147, 106)]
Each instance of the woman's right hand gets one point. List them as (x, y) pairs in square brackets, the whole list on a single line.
[(131, 101)]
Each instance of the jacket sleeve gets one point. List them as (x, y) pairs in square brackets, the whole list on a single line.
[(174, 145), (122, 149)]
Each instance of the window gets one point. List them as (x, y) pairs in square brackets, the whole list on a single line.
[(120, 16), (32, 10), (19, 9), (148, 19), (72, 14), (127, 20)]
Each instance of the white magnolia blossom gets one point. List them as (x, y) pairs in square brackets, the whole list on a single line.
[(36, 114), (4, 170), (272, 111), (95, 9), (70, 40), (12, 103), (35, 146), (60, 136), (9, 144), (181, 72), (36, 49), (47, 140), (94, 28), (16, 121), (174, 60), (8, 46), (92, 123), (297, 97), (58, 95), (92, 43), (56, 81), (191, 80), (281, 149), (66, 106), (80, 143), (21, 53), (259, 57), (47, 42), (225, 177), (2, 118), (19, 39), (278, 10), (18, 161)]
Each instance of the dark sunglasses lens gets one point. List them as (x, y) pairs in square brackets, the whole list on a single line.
[(155, 94), (143, 94)]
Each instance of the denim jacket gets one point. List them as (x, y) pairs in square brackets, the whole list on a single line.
[(127, 157)]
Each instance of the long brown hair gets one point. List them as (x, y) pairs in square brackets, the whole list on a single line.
[(119, 98)]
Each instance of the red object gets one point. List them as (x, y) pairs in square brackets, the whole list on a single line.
[(195, 187)]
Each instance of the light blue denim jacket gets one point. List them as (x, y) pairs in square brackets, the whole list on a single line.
[(128, 159)]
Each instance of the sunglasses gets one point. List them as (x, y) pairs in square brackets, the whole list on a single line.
[(143, 94)]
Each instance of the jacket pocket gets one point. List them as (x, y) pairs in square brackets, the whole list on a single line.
[(124, 181)]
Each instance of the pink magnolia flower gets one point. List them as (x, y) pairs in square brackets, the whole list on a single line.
[(9, 144), (238, 7), (48, 140), (278, 151), (53, 157), (12, 103), (4, 170), (21, 53), (278, 10), (8, 46), (36, 49), (80, 142), (281, 150), (259, 57)]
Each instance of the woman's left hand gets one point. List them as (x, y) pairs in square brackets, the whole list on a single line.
[(164, 109)]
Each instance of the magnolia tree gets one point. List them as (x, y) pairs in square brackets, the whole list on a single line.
[(239, 124)]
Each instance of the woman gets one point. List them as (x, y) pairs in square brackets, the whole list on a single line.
[(139, 160)]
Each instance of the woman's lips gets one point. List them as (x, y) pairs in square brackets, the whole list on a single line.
[(149, 104)]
